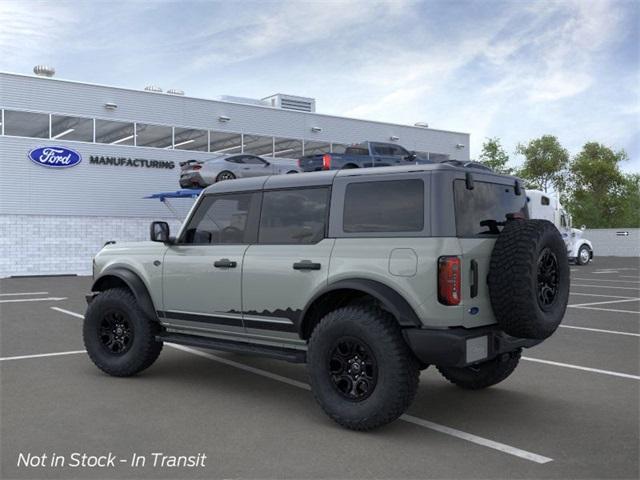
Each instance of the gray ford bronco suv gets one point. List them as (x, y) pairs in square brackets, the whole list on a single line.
[(366, 275)]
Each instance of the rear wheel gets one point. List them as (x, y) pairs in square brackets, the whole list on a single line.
[(225, 175), (120, 339), (584, 255), (484, 374), (361, 370)]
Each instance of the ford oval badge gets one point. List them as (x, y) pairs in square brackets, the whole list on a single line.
[(55, 157)]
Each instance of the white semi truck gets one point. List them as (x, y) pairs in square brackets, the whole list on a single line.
[(544, 206)]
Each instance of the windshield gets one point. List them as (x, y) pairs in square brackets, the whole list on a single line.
[(483, 210)]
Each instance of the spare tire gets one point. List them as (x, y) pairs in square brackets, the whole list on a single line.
[(529, 278)]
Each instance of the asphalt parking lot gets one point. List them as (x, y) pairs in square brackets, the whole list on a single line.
[(571, 410)]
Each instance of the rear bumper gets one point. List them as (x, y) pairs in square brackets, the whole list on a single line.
[(460, 347), (190, 180)]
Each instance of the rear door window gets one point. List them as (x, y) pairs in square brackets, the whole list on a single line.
[(483, 210), (384, 206), (294, 216)]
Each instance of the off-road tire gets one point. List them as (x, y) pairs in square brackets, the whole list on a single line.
[(484, 374), (143, 350), (225, 173), (579, 260), (514, 278), (397, 368)]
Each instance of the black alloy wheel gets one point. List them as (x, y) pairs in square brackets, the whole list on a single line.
[(116, 332), (547, 278), (225, 176), (353, 369)]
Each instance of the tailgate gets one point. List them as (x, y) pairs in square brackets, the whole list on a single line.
[(475, 290)]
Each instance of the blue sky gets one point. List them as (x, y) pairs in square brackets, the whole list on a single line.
[(515, 70)]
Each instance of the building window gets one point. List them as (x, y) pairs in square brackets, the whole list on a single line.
[(401, 211), (338, 147), (295, 216), (114, 133), (316, 148), (225, 142), (287, 148), (71, 128), (258, 145), (26, 124), (190, 139), (157, 136)]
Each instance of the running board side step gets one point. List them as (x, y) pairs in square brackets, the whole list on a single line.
[(280, 353)]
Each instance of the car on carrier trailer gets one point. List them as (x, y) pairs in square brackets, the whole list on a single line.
[(366, 275)]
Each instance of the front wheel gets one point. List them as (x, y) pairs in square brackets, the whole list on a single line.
[(120, 339), (362, 373), (584, 255), (483, 375)]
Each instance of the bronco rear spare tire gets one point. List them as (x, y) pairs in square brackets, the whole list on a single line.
[(529, 278)]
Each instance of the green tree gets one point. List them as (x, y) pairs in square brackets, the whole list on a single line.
[(600, 195), (545, 163), (494, 156)]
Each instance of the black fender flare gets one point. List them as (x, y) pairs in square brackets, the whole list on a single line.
[(391, 300), (135, 284)]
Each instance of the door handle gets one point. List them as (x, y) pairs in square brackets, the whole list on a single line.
[(224, 263), (474, 279), (306, 265)]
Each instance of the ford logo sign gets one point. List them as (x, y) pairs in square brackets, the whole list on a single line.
[(55, 157)]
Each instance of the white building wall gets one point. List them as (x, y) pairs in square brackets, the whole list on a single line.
[(62, 244), (608, 241)]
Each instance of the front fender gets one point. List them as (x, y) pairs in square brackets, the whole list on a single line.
[(115, 276)]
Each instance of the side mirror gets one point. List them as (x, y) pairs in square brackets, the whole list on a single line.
[(159, 232), (412, 156)]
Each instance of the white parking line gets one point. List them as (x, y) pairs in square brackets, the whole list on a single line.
[(47, 299), (604, 302), (41, 355), (601, 330), (609, 310), (407, 418), (578, 367), (628, 276), (606, 286), (469, 437), (597, 295), (62, 310), (606, 280), (23, 293)]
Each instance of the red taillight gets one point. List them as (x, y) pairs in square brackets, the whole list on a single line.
[(449, 280), (196, 167), (326, 162), (299, 163)]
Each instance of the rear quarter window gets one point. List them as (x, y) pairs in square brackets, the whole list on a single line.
[(483, 210), (384, 206)]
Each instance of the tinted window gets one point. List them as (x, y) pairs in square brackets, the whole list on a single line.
[(157, 136), (483, 210), (113, 132), (391, 206), (253, 160), (544, 200), (26, 124), (294, 216), (71, 128), (356, 151), (221, 219)]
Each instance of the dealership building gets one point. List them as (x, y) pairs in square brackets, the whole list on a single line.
[(127, 144)]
